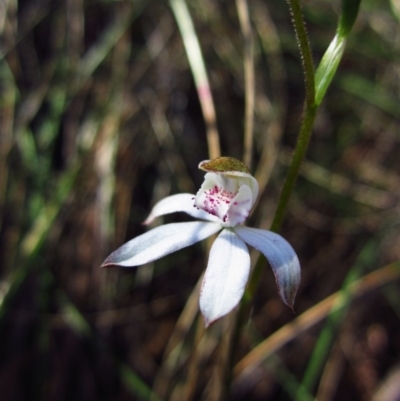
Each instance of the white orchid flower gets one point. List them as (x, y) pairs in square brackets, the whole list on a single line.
[(223, 202)]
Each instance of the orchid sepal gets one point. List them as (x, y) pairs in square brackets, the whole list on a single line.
[(280, 255), (225, 278), (159, 242)]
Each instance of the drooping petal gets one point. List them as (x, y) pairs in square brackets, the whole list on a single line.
[(226, 276), (280, 255), (178, 203), (159, 242)]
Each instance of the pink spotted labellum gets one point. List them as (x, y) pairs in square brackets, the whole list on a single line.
[(223, 203)]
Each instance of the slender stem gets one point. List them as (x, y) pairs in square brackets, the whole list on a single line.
[(294, 168), (305, 51), (310, 110), (301, 147)]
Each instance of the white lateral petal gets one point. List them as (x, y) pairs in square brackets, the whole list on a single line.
[(178, 203), (280, 255), (240, 206), (226, 276), (160, 241)]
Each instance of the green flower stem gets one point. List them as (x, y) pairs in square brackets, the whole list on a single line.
[(310, 110), (301, 147), (325, 73), (294, 168), (316, 85), (305, 51)]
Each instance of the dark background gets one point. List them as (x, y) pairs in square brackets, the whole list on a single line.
[(100, 119)]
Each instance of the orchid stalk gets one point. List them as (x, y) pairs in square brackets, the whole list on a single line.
[(222, 204)]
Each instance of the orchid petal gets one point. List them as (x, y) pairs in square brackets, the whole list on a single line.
[(178, 203), (226, 276), (281, 256), (159, 242), (227, 196), (241, 206)]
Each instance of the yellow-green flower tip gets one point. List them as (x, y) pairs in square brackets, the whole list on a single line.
[(223, 165)]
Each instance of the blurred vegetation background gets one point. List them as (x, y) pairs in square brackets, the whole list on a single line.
[(100, 118)]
